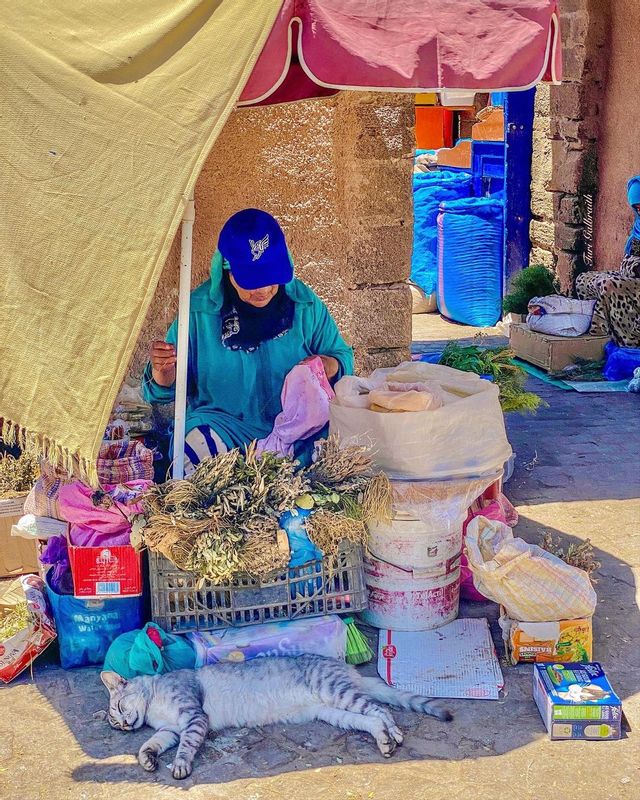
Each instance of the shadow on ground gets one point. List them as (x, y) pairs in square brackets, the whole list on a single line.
[(576, 460), (480, 728)]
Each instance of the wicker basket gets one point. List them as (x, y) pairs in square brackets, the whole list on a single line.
[(327, 586)]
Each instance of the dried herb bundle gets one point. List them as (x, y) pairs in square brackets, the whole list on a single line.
[(17, 475), (15, 620), (223, 520), (576, 555)]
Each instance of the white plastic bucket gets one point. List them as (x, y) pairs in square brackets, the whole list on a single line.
[(410, 599), (413, 544)]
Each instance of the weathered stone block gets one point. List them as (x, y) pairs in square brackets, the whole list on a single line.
[(567, 100), (542, 234), (573, 62), (379, 255), (568, 237), (381, 317), (567, 266), (540, 256), (567, 167), (367, 361), (569, 211), (377, 188), (575, 26)]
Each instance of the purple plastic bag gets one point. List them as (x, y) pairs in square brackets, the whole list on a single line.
[(305, 408), (57, 555)]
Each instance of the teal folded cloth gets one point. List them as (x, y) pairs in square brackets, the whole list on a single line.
[(150, 651)]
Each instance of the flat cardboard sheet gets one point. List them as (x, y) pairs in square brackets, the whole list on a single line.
[(457, 660)]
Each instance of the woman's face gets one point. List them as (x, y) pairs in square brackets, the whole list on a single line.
[(256, 297), (636, 208)]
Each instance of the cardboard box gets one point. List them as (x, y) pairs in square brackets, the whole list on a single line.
[(567, 640), (17, 556), (576, 701), (100, 572), (554, 353)]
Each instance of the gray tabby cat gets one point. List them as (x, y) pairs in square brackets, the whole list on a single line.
[(183, 705)]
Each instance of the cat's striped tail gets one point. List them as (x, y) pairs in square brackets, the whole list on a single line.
[(380, 691)]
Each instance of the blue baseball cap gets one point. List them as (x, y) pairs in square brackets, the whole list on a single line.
[(253, 243)]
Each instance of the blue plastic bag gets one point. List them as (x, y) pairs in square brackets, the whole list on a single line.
[(86, 628), (621, 362), (303, 551)]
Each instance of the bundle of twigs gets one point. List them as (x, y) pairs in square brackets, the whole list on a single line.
[(17, 475), (579, 555), (223, 521)]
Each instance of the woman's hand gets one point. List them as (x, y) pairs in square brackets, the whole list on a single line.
[(163, 363), (330, 364)]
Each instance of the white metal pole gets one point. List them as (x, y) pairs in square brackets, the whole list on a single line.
[(184, 304)]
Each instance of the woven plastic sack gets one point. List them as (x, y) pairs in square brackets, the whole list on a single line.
[(429, 190), (43, 499), (124, 461), (465, 437), (556, 315), (530, 583), (470, 260)]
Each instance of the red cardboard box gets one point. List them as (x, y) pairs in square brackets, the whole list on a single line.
[(100, 572)]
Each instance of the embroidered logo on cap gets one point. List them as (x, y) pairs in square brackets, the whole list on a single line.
[(258, 248)]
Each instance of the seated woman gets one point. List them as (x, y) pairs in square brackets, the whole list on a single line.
[(617, 294), (249, 325)]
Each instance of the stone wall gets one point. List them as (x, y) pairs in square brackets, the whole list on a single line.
[(566, 130), (337, 175)]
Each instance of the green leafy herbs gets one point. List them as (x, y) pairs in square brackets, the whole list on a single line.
[(496, 363), (535, 281)]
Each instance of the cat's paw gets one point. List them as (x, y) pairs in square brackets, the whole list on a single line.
[(396, 733), (148, 760), (386, 745), (181, 769)]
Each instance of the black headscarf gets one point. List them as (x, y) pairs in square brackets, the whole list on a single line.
[(245, 327)]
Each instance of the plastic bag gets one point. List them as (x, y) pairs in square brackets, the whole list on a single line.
[(465, 437), (100, 518), (532, 584), (321, 636), (305, 408), (86, 628), (19, 650), (621, 362), (303, 551), (149, 651)]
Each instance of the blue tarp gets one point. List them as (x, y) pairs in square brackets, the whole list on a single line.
[(470, 246), (429, 190)]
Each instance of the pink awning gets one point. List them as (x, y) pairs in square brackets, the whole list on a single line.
[(319, 46)]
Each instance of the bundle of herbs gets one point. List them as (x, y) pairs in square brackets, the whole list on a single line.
[(223, 520), (497, 363), (535, 281), (17, 475)]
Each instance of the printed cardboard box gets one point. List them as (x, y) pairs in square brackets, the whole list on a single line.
[(100, 572), (567, 640), (576, 701)]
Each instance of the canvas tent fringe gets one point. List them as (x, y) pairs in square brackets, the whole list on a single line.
[(48, 449)]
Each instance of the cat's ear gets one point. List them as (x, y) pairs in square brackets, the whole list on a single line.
[(112, 680)]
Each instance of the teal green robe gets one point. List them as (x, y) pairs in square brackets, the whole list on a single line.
[(237, 393)]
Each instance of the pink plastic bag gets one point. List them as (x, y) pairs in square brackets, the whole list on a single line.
[(305, 408), (101, 518)]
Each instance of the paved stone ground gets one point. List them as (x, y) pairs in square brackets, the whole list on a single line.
[(576, 475)]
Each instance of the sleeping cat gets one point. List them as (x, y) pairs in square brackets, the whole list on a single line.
[(183, 705)]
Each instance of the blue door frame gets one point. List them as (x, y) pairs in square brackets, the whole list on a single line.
[(518, 124)]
